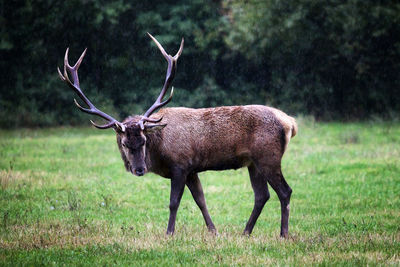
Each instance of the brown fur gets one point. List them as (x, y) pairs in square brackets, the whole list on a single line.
[(196, 140), (217, 138)]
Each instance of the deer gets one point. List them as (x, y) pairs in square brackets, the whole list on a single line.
[(177, 143)]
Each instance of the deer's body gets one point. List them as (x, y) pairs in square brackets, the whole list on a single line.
[(218, 138), (189, 141)]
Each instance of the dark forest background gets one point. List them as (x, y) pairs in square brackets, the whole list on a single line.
[(334, 60)]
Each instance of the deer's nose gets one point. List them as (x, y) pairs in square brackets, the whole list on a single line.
[(139, 171)]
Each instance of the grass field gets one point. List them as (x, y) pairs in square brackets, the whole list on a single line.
[(66, 199)]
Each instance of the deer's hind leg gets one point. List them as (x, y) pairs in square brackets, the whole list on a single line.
[(269, 170), (261, 196), (283, 190)]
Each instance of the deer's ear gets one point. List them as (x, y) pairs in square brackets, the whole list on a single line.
[(152, 128)]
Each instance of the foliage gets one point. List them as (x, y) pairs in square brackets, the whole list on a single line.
[(327, 58), (330, 59), (66, 199), (122, 72)]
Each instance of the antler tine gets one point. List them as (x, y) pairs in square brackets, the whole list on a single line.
[(147, 119), (165, 54), (105, 126), (159, 46), (178, 54), (73, 70), (169, 98), (172, 62), (152, 120)]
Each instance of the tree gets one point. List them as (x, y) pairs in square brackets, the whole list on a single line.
[(328, 58)]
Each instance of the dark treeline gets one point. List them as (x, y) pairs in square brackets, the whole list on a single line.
[(330, 59)]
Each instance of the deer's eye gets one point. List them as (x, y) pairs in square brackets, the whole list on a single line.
[(123, 144)]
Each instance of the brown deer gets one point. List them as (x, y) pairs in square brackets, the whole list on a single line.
[(189, 141)]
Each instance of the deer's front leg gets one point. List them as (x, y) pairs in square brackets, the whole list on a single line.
[(177, 187), (194, 184)]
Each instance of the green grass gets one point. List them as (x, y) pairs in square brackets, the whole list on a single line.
[(65, 199)]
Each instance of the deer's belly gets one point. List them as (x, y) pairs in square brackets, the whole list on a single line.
[(213, 164)]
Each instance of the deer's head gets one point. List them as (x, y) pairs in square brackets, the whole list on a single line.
[(131, 135)]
